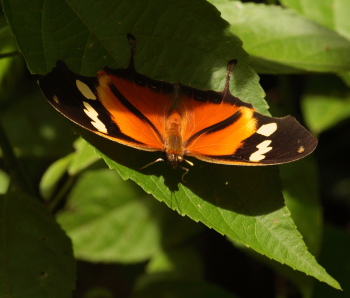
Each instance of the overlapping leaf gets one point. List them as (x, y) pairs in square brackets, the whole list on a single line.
[(282, 41), (36, 255)]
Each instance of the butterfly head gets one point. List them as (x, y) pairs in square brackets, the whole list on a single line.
[(175, 159)]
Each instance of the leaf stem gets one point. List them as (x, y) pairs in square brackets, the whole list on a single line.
[(8, 55), (14, 167), (61, 194)]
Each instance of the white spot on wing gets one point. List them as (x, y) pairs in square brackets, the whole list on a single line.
[(301, 149), (55, 99), (85, 90), (267, 129), (97, 123), (262, 149)]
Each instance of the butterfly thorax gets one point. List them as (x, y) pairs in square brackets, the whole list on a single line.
[(173, 138)]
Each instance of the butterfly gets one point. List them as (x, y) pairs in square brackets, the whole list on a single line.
[(132, 109)]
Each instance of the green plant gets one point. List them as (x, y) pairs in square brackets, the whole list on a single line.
[(116, 222)]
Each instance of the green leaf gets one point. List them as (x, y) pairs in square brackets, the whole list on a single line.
[(7, 41), (195, 51), (295, 45), (36, 255), (346, 78), (71, 164), (85, 155), (301, 194), (4, 182), (334, 14), (300, 189), (126, 225), (52, 176), (325, 103), (10, 62), (227, 202)]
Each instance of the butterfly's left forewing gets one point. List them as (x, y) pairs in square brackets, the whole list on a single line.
[(142, 100), (107, 105)]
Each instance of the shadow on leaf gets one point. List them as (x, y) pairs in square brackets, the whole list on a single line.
[(250, 191)]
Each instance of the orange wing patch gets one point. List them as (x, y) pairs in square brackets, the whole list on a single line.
[(129, 118), (217, 139)]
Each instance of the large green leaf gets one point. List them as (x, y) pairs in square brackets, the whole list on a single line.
[(334, 14), (36, 255), (232, 204), (182, 41), (127, 226), (194, 51), (283, 41), (300, 189)]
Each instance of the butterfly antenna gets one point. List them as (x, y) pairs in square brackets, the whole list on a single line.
[(132, 43), (230, 66), (151, 163), (161, 159)]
